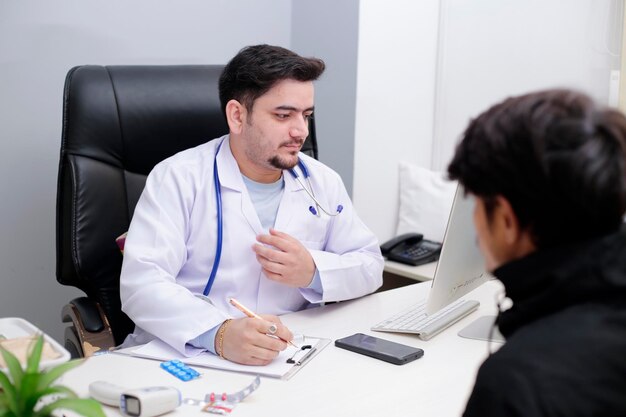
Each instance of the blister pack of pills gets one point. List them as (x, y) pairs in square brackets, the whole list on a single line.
[(180, 370)]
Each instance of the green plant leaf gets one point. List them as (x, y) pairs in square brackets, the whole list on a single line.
[(32, 400), (15, 369), (20, 397), (52, 374), (58, 389), (4, 406), (9, 395), (34, 355), (27, 392), (82, 406)]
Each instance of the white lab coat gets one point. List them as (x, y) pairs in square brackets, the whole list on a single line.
[(171, 243)]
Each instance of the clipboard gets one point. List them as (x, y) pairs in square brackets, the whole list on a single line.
[(284, 366)]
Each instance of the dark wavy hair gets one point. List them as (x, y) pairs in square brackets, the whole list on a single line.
[(255, 70), (557, 157)]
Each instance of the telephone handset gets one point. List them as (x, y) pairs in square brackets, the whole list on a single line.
[(411, 249)]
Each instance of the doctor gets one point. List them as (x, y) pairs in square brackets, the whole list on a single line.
[(287, 236)]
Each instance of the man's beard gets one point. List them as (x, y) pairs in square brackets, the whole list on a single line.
[(277, 162)]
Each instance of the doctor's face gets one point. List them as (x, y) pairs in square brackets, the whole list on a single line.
[(278, 124)]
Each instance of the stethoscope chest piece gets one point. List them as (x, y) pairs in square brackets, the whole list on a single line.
[(315, 210)]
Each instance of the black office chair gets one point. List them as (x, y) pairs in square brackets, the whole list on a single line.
[(118, 122)]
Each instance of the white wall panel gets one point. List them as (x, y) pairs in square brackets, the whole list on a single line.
[(395, 94)]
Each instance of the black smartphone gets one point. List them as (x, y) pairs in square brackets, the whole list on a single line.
[(382, 349)]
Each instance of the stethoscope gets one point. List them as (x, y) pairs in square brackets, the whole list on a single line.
[(218, 200)]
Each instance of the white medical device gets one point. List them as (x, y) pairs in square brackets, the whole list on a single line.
[(140, 402)]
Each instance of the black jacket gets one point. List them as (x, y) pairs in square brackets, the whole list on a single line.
[(565, 353)]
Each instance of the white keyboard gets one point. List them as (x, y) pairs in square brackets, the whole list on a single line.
[(415, 320)]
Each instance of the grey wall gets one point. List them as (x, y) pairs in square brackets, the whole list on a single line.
[(40, 41), (330, 30)]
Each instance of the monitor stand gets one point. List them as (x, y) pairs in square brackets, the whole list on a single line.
[(482, 329)]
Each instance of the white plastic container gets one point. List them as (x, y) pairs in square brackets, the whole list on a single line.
[(11, 327)]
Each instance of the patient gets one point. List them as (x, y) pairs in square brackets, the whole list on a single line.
[(549, 174)]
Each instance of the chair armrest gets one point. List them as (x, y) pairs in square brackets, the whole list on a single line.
[(89, 325)]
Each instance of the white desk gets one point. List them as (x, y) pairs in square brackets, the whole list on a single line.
[(424, 272), (336, 382)]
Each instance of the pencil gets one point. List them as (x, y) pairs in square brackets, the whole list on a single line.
[(245, 310)]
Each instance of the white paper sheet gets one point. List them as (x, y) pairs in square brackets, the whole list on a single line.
[(278, 368)]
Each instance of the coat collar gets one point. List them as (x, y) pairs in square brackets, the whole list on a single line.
[(230, 175), (231, 178), (228, 169)]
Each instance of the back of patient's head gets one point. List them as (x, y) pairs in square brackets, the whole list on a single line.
[(558, 158), (255, 70)]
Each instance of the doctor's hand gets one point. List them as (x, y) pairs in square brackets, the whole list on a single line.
[(287, 261), (248, 341)]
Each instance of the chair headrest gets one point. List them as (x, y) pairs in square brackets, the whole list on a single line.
[(136, 116)]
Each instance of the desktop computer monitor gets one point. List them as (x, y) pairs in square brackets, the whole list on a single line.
[(461, 266)]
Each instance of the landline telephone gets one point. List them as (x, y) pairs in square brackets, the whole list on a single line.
[(411, 249)]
